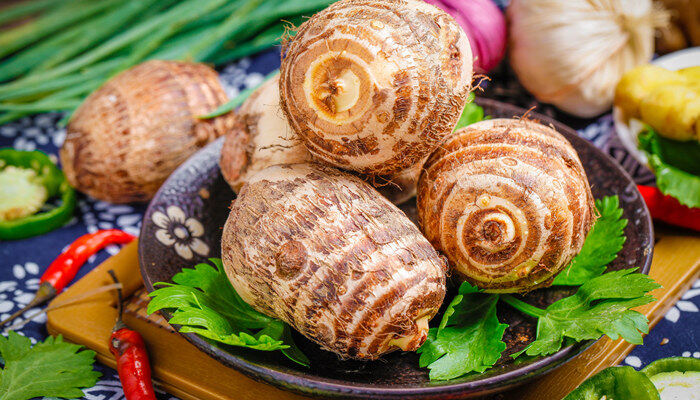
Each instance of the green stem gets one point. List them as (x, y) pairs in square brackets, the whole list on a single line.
[(236, 20), (40, 107), (523, 306), (60, 83), (97, 30), (23, 9), (238, 100), (15, 39)]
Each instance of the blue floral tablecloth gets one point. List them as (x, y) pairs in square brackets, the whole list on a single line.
[(22, 262)]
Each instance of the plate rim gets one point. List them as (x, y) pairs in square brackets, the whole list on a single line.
[(318, 386)]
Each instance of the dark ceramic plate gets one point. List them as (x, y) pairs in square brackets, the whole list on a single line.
[(183, 224)]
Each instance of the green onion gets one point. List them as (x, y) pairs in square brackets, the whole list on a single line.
[(30, 32), (24, 9), (238, 100), (71, 47)]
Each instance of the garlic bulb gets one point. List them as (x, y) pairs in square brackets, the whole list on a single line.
[(261, 138), (130, 134), (508, 203), (572, 53), (373, 86)]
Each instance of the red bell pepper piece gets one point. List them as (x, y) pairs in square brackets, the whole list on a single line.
[(668, 209)]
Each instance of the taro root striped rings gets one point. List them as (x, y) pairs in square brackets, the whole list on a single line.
[(507, 201), (373, 86), (323, 251)]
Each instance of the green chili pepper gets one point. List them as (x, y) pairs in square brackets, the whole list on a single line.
[(675, 377), (616, 383), (29, 178)]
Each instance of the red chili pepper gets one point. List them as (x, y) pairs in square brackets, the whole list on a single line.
[(668, 209), (129, 349), (64, 268)]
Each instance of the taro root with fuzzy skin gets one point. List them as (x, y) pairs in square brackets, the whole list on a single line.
[(323, 251), (260, 138), (508, 202), (400, 187), (373, 86), (130, 134)]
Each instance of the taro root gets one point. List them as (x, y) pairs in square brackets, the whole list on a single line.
[(260, 138), (400, 187), (131, 133), (507, 201), (323, 251), (374, 86)]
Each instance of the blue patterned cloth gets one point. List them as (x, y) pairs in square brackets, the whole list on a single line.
[(24, 261)]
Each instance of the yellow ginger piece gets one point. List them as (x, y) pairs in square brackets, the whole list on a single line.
[(669, 101)]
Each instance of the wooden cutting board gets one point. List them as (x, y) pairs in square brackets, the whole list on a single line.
[(182, 370)]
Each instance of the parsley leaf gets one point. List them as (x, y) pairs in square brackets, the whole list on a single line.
[(472, 113), (468, 338), (601, 246), (204, 302), (601, 306), (51, 368)]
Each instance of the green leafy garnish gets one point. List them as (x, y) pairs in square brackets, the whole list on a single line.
[(472, 113), (468, 338), (52, 368), (675, 164), (601, 306), (602, 244), (203, 301)]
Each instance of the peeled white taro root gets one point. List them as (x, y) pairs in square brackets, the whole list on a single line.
[(260, 138), (323, 251), (130, 134), (373, 86), (507, 201)]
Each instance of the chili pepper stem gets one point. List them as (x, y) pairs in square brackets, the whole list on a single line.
[(120, 304), (45, 293)]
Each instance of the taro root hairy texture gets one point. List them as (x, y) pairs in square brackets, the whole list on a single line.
[(321, 250), (508, 202), (261, 137), (400, 187), (130, 134), (373, 86)]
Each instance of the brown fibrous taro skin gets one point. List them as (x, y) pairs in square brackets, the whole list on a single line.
[(373, 86), (130, 134), (508, 202), (261, 137), (321, 250)]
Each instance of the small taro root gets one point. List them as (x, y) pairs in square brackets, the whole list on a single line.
[(260, 138), (130, 134), (323, 251), (374, 86), (507, 201)]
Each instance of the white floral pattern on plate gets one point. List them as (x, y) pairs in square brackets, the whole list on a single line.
[(180, 232)]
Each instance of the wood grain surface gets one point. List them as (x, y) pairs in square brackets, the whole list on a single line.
[(184, 371)]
